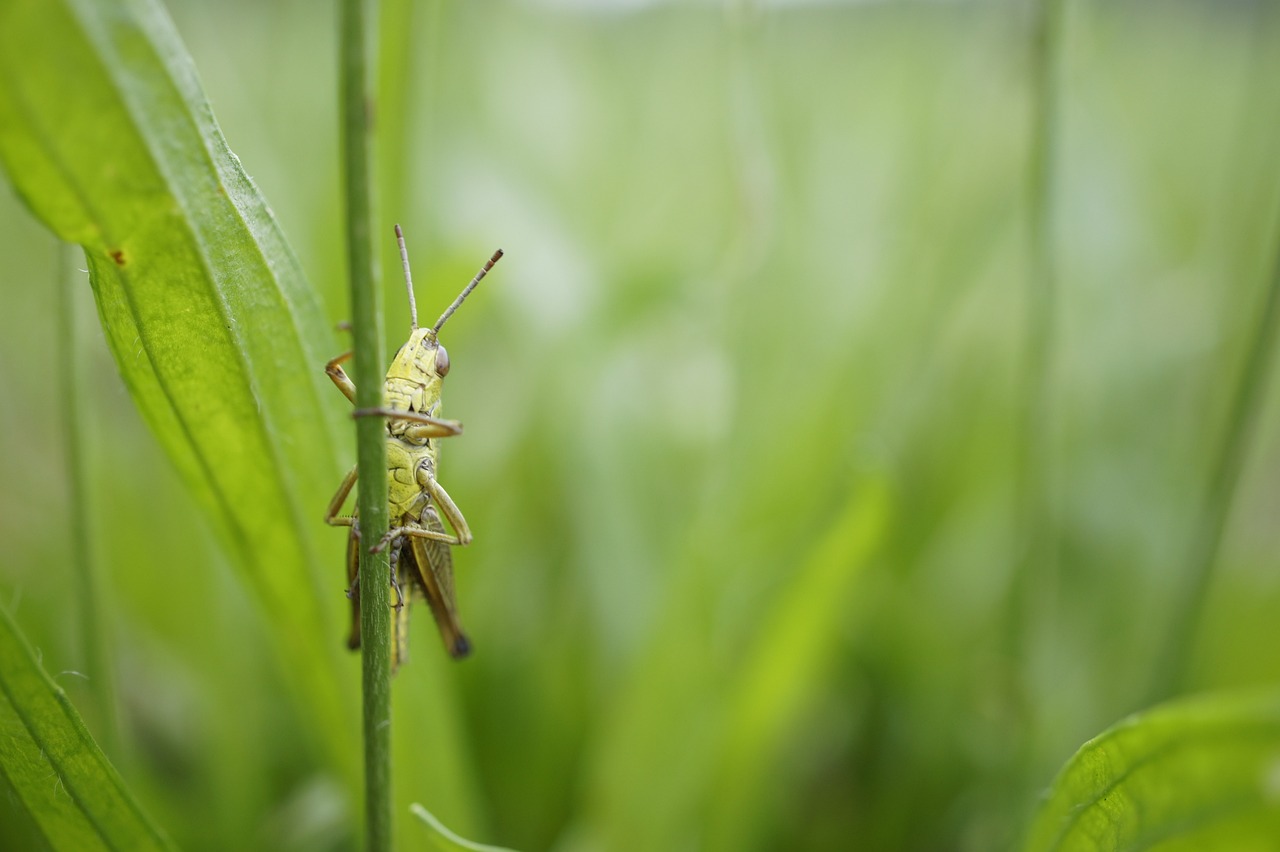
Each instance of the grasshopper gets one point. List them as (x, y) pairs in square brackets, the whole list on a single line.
[(417, 537)]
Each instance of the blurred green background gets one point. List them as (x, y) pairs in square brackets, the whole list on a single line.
[(744, 405)]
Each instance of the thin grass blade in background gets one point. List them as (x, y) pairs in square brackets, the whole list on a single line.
[(1219, 495), (52, 767), (95, 645), (793, 652), (107, 136), (710, 729), (1202, 773), (445, 840), (1034, 545)]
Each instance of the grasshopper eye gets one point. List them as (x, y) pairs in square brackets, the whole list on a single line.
[(442, 362)]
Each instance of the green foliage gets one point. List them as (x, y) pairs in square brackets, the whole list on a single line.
[(1202, 773), (108, 138), (742, 406), (50, 767)]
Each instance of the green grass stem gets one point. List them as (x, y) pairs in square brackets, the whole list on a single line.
[(366, 331), (1218, 495), (95, 646), (1034, 552)]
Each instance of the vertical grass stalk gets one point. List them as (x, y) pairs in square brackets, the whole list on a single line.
[(1033, 524), (1034, 550), (1211, 520), (366, 331), (397, 54), (95, 647)]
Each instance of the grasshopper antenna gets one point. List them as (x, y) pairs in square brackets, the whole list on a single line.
[(408, 280), (484, 270)]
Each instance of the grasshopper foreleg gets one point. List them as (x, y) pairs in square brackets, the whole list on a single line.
[(339, 497), (428, 426), (339, 376)]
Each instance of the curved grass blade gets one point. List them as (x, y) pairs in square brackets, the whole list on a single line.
[(1201, 773), (49, 763), (445, 840), (725, 727), (107, 136), (788, 663)]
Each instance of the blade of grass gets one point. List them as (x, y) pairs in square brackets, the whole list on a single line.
[(1171, 668), (445, 840), (1033, 526), (366, 331), (398, 55), (50, 762), (1034, 573), (1211, 520), (108, 138), (788, 664), (95, 644)]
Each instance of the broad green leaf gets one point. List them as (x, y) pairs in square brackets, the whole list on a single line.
[(1201, 773), (54, 769), (107, 136), (444, 839)]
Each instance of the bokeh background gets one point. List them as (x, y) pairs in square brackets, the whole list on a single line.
[(786, 538)]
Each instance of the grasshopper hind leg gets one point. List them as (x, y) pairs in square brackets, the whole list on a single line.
[(353, 583), (400, 609), (394, 561)]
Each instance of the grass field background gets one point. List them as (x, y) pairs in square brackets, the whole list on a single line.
[(746, 408)]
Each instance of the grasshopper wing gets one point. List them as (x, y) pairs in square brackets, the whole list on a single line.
[(432, 567)]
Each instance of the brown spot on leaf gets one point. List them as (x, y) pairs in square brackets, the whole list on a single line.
[(118, 257)]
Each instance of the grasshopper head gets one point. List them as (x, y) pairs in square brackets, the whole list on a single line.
[(419, 369), (422, 362), (423, 357)]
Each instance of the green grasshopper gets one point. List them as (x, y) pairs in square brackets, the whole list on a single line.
[(411, 406)]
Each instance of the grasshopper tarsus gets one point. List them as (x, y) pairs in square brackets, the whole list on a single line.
[(395, 584)]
